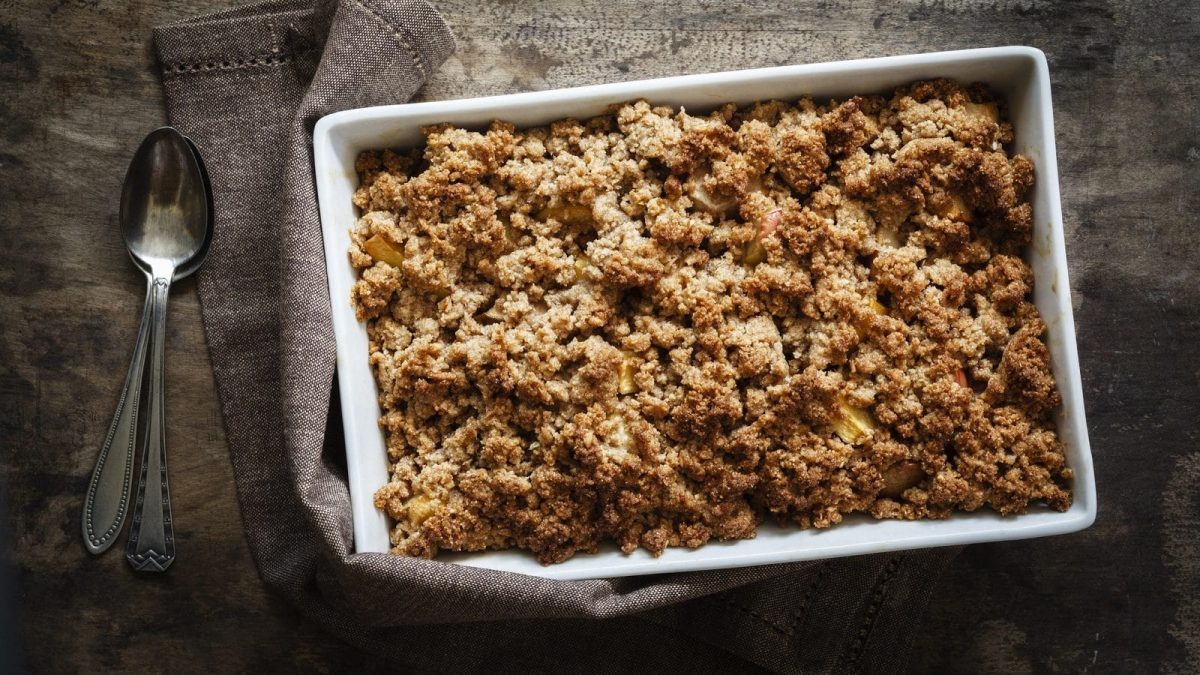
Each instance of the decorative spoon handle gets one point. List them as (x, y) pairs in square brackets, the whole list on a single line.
[(151, 545), (107, 499)]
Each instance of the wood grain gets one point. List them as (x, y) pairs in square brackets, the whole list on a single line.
[(80, 90)]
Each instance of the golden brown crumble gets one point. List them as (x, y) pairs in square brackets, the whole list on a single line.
[(658, 329)]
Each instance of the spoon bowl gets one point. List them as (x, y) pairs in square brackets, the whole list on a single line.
[(164, 203)]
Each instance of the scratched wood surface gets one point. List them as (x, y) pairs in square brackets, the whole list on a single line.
[(78, 89)]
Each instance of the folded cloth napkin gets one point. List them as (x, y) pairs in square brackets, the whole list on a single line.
[(247, 85)]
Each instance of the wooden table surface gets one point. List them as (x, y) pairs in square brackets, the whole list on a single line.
[(80, 89)]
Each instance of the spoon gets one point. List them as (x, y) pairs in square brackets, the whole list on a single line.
[(166, 223)]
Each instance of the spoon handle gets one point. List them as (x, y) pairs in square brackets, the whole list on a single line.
[(107, 499), (151, 544)]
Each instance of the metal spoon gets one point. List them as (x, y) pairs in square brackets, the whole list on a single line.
[(166, 224)]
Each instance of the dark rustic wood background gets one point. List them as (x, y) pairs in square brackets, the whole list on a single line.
[(79, 89)]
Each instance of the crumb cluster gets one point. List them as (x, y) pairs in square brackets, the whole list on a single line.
[(658, 328)]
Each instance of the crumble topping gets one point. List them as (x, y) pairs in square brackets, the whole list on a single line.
[(658, 328)]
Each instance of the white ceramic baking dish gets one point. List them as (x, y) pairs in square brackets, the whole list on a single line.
[(1020, 73)]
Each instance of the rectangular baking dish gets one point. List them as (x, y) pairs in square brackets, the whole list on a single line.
[(1020, 73)]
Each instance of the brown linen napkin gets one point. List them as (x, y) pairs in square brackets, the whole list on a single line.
[(247, 85)]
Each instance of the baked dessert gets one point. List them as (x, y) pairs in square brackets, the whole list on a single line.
[(658, 328)]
